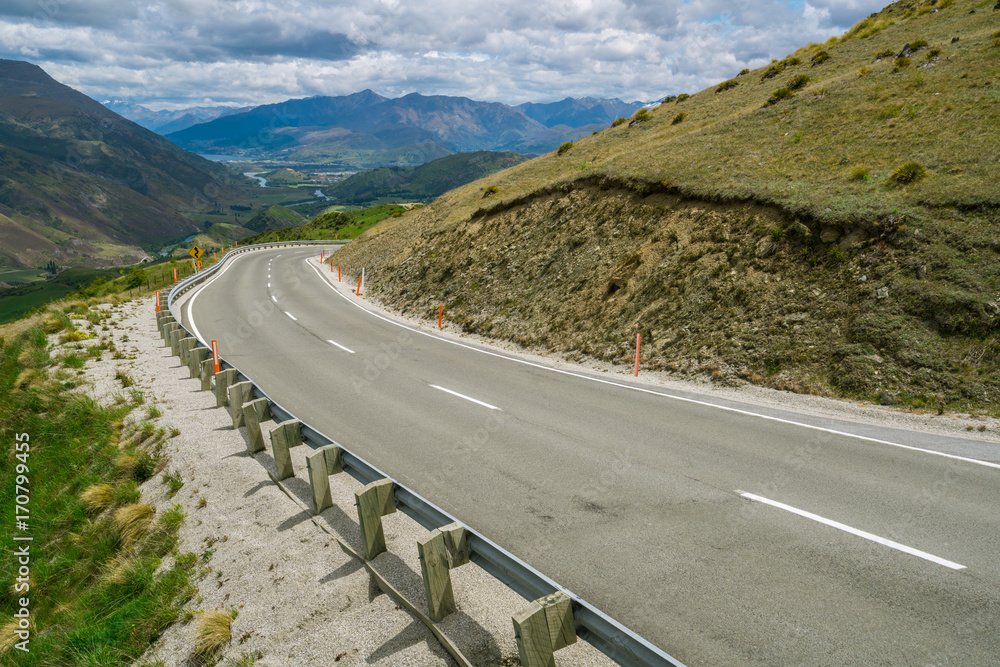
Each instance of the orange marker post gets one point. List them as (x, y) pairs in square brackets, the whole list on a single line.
[(637, 340), (157, 301), (215, 354), (440, 314), (215, 258), (322, 255), (175, 274), (338, 272), (359, 286)]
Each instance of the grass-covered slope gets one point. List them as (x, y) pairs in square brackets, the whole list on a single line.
[(783, 238), (332, 225), (275, 217), (95, 589), (423, 183)]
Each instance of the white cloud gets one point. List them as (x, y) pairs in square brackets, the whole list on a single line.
[(164, 52)]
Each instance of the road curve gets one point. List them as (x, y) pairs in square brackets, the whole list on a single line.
[(722, 533)]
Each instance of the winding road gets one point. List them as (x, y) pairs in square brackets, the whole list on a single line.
[(727, 534)]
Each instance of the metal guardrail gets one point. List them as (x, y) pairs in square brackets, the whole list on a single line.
[(597, 628)]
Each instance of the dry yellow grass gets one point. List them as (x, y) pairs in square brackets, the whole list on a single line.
[(53, 324), (132, 522), (213, 632), (116, 572), (28, 377), (7, 636), (98, 496)]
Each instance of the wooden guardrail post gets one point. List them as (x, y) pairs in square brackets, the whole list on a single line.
[(207, 371), (322, 463), (185, 345), (440, 551), (255, 412), (161, 320), (223, 380), (169, 328), (544, 627), (175, 340), (374, 501), (286, 435), (195, 356), (238, 395)]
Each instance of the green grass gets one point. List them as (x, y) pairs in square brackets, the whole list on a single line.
[(345, 225), (93, 602), (18, 301)]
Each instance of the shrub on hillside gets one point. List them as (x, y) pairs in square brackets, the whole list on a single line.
[(859, 173), (885, 53), (778, 95), (797, 82), (743, 71), (820, 58), (726, 85), (682, 97), (773, 70), (619, 121), (910, 172), (565, 147), (678, 118), (901, 63), (642, 114)]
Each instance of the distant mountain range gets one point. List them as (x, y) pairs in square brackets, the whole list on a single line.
[(79, 183), (164, 122), (368, 130)]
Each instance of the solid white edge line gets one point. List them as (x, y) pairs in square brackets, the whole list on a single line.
[(290, 315), (335, 343), (855, 531), (657, 393), (468, 398)]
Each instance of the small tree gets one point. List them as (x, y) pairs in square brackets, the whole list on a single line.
[(135, 278), (565, 147)]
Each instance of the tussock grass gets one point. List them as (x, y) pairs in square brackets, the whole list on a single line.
[(132, 522), (98, 496), (212, 632)]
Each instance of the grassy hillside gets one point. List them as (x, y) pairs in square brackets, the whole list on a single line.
[(97, 592), (18, 301), (80, 183), (825, 224), (423, 183), (333, 225), (275, 217)]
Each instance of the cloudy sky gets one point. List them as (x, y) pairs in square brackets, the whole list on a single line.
[(179, 53)]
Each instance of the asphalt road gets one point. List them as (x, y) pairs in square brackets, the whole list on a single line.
[(725, 534)]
